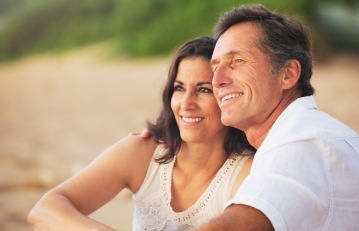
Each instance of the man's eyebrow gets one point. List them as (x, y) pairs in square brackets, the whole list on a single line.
[(233, 52), (226, 55), (213, 62)]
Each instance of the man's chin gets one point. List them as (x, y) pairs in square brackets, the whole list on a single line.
[(226, 120)]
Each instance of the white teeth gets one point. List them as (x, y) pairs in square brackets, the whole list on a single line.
[(191, 120), (231, 96)]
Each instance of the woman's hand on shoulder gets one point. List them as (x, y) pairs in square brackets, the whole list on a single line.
[(145, 134)]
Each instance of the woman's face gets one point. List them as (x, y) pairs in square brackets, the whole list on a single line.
[(194, 106)]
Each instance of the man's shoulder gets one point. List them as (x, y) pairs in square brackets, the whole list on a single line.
[(304, 120), (309, 125)]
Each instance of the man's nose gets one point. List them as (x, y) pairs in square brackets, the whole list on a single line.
[(220, 76)]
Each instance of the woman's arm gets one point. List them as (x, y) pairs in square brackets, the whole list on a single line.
[(124, 165), (56, 213)]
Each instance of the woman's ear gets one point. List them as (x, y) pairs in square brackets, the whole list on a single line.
[(291, 73)]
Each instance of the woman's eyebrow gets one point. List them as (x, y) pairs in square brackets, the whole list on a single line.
[(203, 83), (198, 84)]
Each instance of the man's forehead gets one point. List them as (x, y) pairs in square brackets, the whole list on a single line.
[(226, 54), (229, 45)]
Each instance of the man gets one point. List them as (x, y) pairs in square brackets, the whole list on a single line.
[(305, 174)]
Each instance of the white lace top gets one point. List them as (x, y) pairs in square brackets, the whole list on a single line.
[(152, 201)]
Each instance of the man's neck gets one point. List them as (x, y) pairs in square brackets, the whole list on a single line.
[(257, 133)]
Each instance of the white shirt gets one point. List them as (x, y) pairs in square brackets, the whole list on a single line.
[(153, 210), (305, 175)]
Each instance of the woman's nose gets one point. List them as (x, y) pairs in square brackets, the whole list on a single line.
[(188, 101)]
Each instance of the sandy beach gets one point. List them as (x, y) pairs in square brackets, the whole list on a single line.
[(59, 112)]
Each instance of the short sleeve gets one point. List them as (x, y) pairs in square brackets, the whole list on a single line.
[(288, 183)]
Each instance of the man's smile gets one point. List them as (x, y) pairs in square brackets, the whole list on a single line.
[(231, 96)]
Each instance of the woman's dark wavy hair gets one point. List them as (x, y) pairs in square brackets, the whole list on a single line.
[(165, 129), (283, 39)]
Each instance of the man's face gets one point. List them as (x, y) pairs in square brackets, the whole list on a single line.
[(245, 88)]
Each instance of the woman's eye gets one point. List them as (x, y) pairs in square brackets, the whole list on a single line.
[(205, 90), (178, 88)]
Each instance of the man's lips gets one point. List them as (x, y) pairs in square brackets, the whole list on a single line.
[(231, 96)]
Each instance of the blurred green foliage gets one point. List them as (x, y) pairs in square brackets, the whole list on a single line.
[(136, 28)]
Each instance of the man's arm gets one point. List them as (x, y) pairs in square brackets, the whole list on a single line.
[(241, 218)]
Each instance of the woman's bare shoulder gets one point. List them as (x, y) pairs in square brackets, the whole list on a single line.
[(133, 157), (243, 173), (137, 146)]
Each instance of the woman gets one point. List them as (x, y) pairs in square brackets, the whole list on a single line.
[(176, 186)]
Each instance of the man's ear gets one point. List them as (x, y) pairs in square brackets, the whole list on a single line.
[(291, 73)]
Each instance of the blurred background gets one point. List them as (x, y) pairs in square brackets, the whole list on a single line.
[(76, 76), (155, 27)]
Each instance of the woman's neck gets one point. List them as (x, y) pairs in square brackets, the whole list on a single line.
[(193, 171), (198, 157)]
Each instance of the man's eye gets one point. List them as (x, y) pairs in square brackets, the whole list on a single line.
[(238, 60)]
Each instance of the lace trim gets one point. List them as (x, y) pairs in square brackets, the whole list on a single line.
[(158, 214), (202, 202)]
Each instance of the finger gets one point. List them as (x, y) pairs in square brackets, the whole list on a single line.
[(146, 133), (134, 133)]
